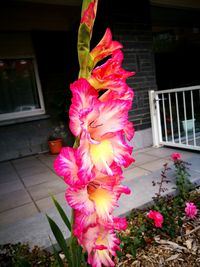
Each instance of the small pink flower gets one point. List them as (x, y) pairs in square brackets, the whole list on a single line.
[(190, 210), (157, 217), (176, 156)]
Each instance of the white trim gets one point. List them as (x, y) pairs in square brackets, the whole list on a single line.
[(41, 99), (180, 145), (181, 89), (156, 135), (35, 112)]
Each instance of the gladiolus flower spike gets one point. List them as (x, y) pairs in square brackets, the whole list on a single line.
[(93, 168)]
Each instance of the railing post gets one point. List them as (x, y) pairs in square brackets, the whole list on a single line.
[(154, 118)]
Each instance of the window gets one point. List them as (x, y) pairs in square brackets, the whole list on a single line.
[(20, 91)]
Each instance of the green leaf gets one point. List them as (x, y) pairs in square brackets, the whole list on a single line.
[(62, 213), (58, 258), (77, 253), (60, 239)]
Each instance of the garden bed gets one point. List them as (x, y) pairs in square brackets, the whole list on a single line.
[(146, 246), (142, 245)]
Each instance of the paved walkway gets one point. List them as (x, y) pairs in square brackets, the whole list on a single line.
[(27, 182)]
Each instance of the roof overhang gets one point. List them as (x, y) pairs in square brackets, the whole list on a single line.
[(53, 2), (184, 4)]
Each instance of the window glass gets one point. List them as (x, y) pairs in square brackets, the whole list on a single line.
[(18, 87)]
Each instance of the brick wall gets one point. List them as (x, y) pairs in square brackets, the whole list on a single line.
[(132, 27)]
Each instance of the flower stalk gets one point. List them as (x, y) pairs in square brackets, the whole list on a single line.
[(92, 168)]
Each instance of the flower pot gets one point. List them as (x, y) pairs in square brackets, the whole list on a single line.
[(55, 146), (188, 125)]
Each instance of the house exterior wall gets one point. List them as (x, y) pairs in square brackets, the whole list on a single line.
[(132, 27), (57, 65), (22, 139), (49, 29)]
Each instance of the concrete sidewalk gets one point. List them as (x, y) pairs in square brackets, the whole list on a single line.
[(26, 184)]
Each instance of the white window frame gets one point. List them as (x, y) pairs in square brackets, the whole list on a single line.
[(29, 113)]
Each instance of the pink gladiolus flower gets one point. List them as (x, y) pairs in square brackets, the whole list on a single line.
[(190, 210), (110, 75), (126, 94), (93, 170), (111, 149), (100, 126), (176, 156), (83, 100), (82, 222), (101, 244), (105, 47), (100, 195), (157, 217), (67, 165), (89, 114)]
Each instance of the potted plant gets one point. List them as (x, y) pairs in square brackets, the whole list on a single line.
[(56, 138)]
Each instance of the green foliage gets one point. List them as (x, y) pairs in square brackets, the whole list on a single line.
[(71, 249), (57, 256), (62, 214), (141, 230), (134, 236), (20, 255), (166, 207), (183, 183), (60, 239)]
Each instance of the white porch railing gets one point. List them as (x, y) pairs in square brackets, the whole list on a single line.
[(175, 117)]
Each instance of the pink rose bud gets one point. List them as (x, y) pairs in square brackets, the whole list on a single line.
[(157, 217), (175, 156), (190, 210)]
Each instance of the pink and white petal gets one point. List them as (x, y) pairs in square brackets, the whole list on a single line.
[(121, 189), (129, 130), (87, 119), (78, 199), (85, 161), (82, 222), (105, 47), (115, 84), (113, 117), (110, 71), (112, 95), (84, 97), (65, 165), (82, 90), (104, 200), (122, 152), (89, 238), (109, 181), (100, 257), (112, 241), (106, 245), (102, 156)]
